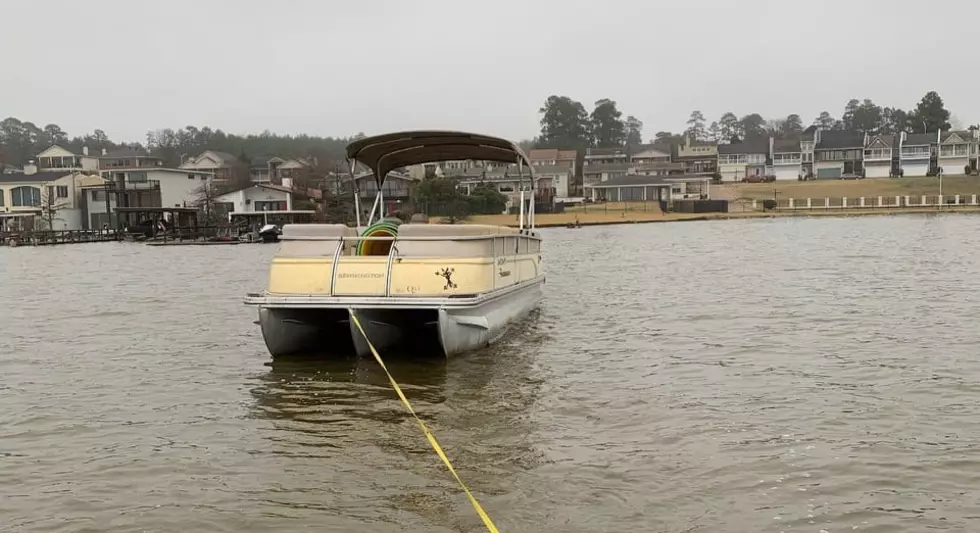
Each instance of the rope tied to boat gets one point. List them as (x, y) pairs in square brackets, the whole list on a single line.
[(428, 434)]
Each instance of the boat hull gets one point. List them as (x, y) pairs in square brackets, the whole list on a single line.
[(445, 326)]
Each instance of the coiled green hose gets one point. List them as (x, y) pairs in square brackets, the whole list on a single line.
[(386, 227)]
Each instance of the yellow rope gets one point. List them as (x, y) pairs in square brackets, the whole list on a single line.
[(428, 434)]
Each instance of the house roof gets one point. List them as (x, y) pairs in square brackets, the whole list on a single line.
[(919, 139), (783, 146), (755, 146), (58, 146), (125, 151), (808, 133), (965, 136), (836, 140), (553, 153), (888, 140), (256, 185), (605, 152), (20, 177)]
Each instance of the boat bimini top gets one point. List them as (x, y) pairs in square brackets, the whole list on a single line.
[(384, 153)]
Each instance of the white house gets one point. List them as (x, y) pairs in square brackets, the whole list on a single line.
[(738, 161), (274, 169), (553, 177), (654, 160), (178, 187), (57, 158), (257, 198), (956, 151), (41, 200), (787, 159), (878, 152), (219, 164), (916, 149)]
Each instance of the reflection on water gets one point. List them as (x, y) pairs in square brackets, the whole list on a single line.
[(344, 416), (759, 375)]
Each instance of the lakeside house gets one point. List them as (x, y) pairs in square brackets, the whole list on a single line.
[(697, 157), (837, 154), (744, 159), (56, 158), (787, 159), (54, 200), (128, 157), (957, 151), (221, 165), (255, 198), (915, 153), (879, 156), (274, 169)]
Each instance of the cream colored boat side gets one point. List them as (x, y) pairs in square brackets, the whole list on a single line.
[(426, 260)]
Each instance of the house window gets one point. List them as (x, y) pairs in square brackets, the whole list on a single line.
[(2, 194), (62, 191), (98, 196), (190, 176), (269, 206), (137, 177), (25, 196)]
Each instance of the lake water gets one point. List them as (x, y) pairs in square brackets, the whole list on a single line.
[(732, 376)]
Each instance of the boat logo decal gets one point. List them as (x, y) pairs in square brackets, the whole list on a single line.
[(447, 274), (504, 273)]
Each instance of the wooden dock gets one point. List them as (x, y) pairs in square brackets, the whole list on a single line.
[(49, 238)]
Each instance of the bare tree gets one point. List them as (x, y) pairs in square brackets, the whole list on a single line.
[(206, 200), (50, 205)]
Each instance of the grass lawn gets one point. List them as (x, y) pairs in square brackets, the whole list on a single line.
[(871, 187)]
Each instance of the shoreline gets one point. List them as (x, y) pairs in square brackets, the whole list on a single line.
[(691, 217)]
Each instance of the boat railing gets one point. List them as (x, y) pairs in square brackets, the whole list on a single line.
[(345, 243)]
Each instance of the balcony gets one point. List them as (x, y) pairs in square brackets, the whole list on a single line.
[(877, 155), (915, 154), (787, 160)]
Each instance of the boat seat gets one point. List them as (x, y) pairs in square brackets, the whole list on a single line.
[(453, 230), (316, 240), (326, 231)]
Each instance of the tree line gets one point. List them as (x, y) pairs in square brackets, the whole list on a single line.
[(565, 123), (21, 141), (863, 116)]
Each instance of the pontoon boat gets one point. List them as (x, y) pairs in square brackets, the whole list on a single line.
[(450, 287)]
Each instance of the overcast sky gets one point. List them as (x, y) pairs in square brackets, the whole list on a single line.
[(335, 67)]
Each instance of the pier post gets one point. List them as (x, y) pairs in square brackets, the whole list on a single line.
[(898, 201), (843, 202), (974, 200), (880, 203), (826, 202), (924, 201), (956, 199), (754, 205), (861, 201), (809, 203), (906, 201), (791, 203)]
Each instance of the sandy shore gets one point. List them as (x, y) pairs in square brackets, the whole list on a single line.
[(601, 219)]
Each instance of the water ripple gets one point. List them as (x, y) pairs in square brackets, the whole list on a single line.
[(759, 375)]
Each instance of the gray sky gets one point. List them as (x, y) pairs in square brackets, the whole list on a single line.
[(332, 67)]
